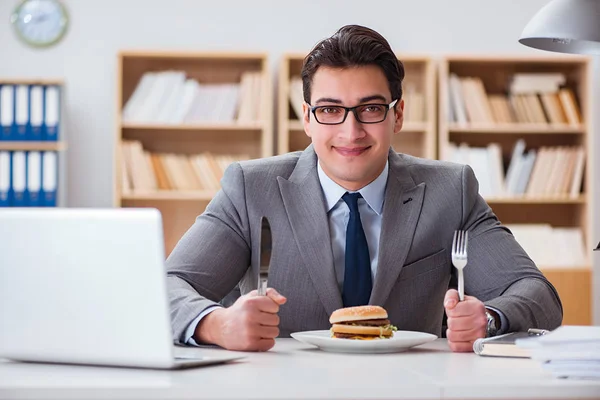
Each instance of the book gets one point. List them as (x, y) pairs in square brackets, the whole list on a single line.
[(502, 346)]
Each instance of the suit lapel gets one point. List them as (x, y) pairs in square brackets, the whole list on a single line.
[(401, 210), (305, 207)]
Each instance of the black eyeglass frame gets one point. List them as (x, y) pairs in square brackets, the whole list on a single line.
[(388, 107)]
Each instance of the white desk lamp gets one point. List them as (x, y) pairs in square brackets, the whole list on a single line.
[(565, 26)]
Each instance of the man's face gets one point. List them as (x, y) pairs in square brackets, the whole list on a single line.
[(352, 154)]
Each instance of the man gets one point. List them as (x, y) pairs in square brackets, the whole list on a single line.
[(353, 223)]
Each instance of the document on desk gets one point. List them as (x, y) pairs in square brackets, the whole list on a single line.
[(568, 351), (502, 346)]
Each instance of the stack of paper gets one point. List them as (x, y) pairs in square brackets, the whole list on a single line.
[(568, 351)]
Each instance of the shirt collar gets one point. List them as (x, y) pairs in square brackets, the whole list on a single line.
[(373, 193)]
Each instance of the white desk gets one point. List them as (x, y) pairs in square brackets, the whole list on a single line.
[(294, 370)]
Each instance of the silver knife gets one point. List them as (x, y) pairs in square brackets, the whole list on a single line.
[(265, 256)]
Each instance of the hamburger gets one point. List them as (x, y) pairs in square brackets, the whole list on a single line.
[(361, 323)]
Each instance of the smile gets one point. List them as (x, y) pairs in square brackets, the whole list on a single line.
[(351, 151)]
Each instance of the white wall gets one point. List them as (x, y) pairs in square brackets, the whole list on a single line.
[(99, 29)]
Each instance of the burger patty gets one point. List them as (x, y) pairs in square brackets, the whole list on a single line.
[(368, 322), (352, 335)]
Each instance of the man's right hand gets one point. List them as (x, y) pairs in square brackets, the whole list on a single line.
[(250, 324)]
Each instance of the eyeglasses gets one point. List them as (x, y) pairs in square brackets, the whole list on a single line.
[(364, 113)]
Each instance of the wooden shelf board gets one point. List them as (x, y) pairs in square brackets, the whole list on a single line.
[(193, 55), (216, 126), (33, 146), (516, 58), (516, 128), (295, 56), (410, 126), (536, 200), (30, 81), (163, 195), (410, 58), (296, 125)]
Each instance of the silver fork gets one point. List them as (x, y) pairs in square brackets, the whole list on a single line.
[(459, 258)]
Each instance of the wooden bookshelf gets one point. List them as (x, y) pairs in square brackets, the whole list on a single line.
[(496, 75), (220, 131), (417, 136), (33, 146), (59, 146)]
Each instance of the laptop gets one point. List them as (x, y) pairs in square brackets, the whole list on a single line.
[(87, 286)]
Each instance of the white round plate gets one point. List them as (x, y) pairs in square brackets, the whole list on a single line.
[(401, 341)]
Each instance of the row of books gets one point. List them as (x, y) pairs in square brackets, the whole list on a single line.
[(29, 112), (169, 97), (543, 172), (531, 98), (414, 101), (551, 247), (28, 178), (146, 171)]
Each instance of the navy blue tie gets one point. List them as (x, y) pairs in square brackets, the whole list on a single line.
[(357, 272)]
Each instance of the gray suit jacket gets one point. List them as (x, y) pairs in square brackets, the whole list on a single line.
[(425, 201)]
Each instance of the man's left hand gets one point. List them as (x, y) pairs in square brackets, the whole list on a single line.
[(466, 321)]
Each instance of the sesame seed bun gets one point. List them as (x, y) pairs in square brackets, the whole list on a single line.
[(359, 313)]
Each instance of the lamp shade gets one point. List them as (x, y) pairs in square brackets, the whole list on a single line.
[(565, 26)]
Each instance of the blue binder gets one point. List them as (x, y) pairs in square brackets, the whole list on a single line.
[(36, 113), (7, 111), (21, 120), (51, 113), (33, 193), (49, 179), (4, 178), (18, 179)]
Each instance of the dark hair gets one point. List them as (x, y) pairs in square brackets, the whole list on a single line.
[(352, 46)]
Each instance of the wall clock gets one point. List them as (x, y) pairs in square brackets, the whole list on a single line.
[(40, 23)]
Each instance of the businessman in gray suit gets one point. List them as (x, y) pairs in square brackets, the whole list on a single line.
[(353, 223)]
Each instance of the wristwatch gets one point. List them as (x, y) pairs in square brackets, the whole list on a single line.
[(491, 328)]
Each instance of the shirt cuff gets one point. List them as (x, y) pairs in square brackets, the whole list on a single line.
[(188, 337), (503, 328)]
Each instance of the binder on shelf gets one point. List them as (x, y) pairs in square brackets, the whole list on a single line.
[(4, 178), (34, 179), (21, 120), (36, 113), (49, 179), (19, 179), (51, 113), (7, 108)]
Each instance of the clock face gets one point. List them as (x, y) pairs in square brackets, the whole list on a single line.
[(40, 23)]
